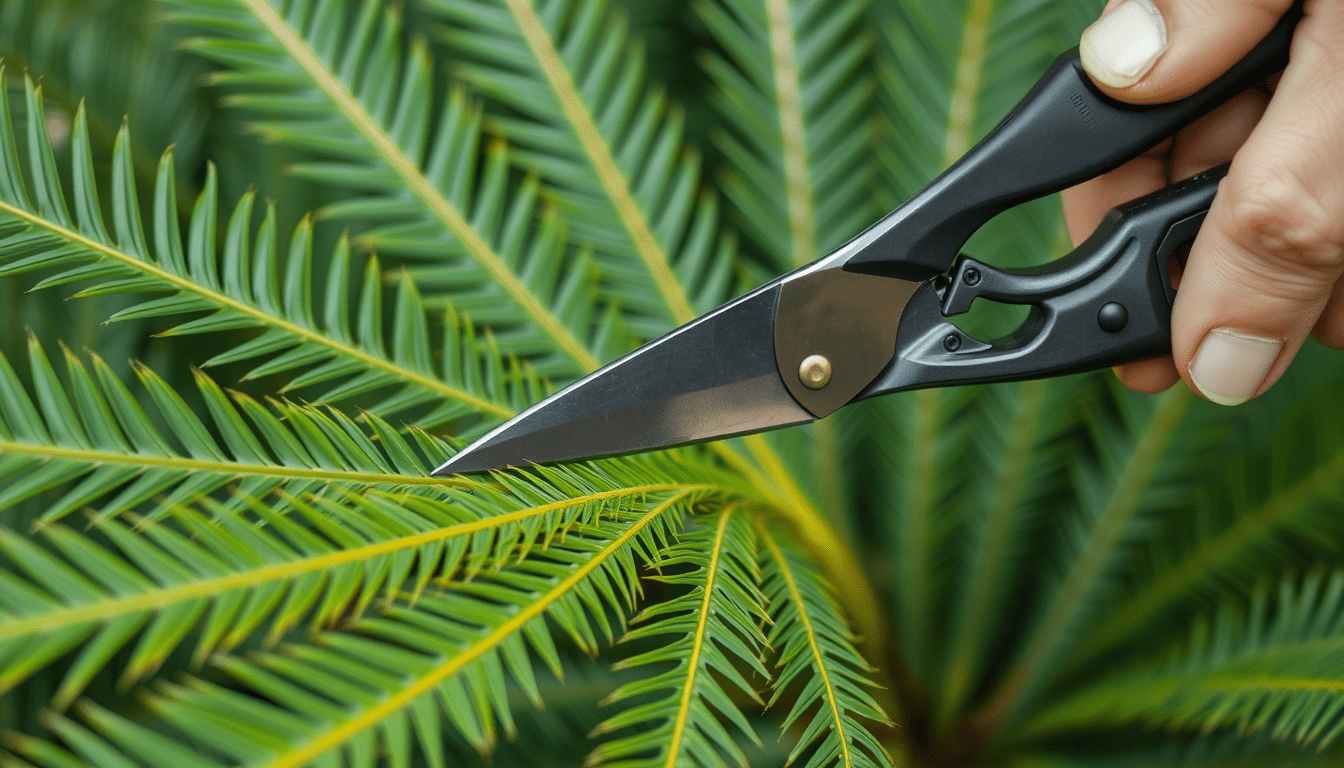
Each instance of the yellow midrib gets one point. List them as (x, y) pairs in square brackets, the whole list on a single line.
[(158, 598), (599, 154), (792, 131), (698, 642), (811, 642), (228, 467), (184, 284), (418, 183), (374, 715)]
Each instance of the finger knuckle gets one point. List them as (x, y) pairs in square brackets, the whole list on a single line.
[(1281, 219)]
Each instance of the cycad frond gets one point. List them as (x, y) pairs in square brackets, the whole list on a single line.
[(795, 88), (1109, 507), (1021, 449), (815, 652), (234, 565), (587, 120), (97, 437), (1273, 667), (353, 96), (349, 695), (718, 636), (239, 287)]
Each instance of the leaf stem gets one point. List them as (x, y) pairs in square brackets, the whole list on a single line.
[(226, 467), (792, 131)]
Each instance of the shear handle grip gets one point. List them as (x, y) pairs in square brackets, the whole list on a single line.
[(1064, 132), (1106, 303)]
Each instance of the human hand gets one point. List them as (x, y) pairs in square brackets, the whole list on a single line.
[(1264, 272)]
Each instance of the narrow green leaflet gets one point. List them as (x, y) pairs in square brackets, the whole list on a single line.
[(796, 90), (580, 110), (391, 684), (684, 713), (817, 654), (338, 83), (242, 283)]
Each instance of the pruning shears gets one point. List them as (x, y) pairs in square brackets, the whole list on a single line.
[(871, 318)]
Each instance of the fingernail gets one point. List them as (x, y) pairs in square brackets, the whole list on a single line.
[(1230, 366), (1120, 47)]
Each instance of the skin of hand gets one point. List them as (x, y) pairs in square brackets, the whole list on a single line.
[(1264, 272)]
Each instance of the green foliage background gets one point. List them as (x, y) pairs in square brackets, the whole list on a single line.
[(382, 228)]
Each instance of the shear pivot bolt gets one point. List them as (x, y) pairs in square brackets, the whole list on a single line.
[(815, 372), (952, 343), (971, 276)]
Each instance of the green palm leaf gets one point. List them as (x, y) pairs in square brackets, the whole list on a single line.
[(582, 114), (796, 88), (348, 94), (413, 667), (238, 286), (1272, 668), (281, 555), (97, 438), (718, 638), (122, 66), (814, 646)]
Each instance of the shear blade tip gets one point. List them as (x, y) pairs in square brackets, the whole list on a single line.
[(464, 463)]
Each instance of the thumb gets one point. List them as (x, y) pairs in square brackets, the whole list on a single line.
[(1144, 51)]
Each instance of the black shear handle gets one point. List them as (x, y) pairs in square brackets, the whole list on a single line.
[(1106, 303), (1064, 132)]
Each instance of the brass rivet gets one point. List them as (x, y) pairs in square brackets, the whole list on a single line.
[(815, 372)]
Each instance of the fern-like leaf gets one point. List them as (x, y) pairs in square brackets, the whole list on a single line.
[(718, 635), (1273, 667), (96, 437), (581, 112), (351, 95), (238, 563), (816, 653), (391, 683), (240, 286), (795, 89)]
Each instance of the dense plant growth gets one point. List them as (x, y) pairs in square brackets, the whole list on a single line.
[(377, 229)]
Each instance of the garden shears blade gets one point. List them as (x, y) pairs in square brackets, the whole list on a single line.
[(871, 318)]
